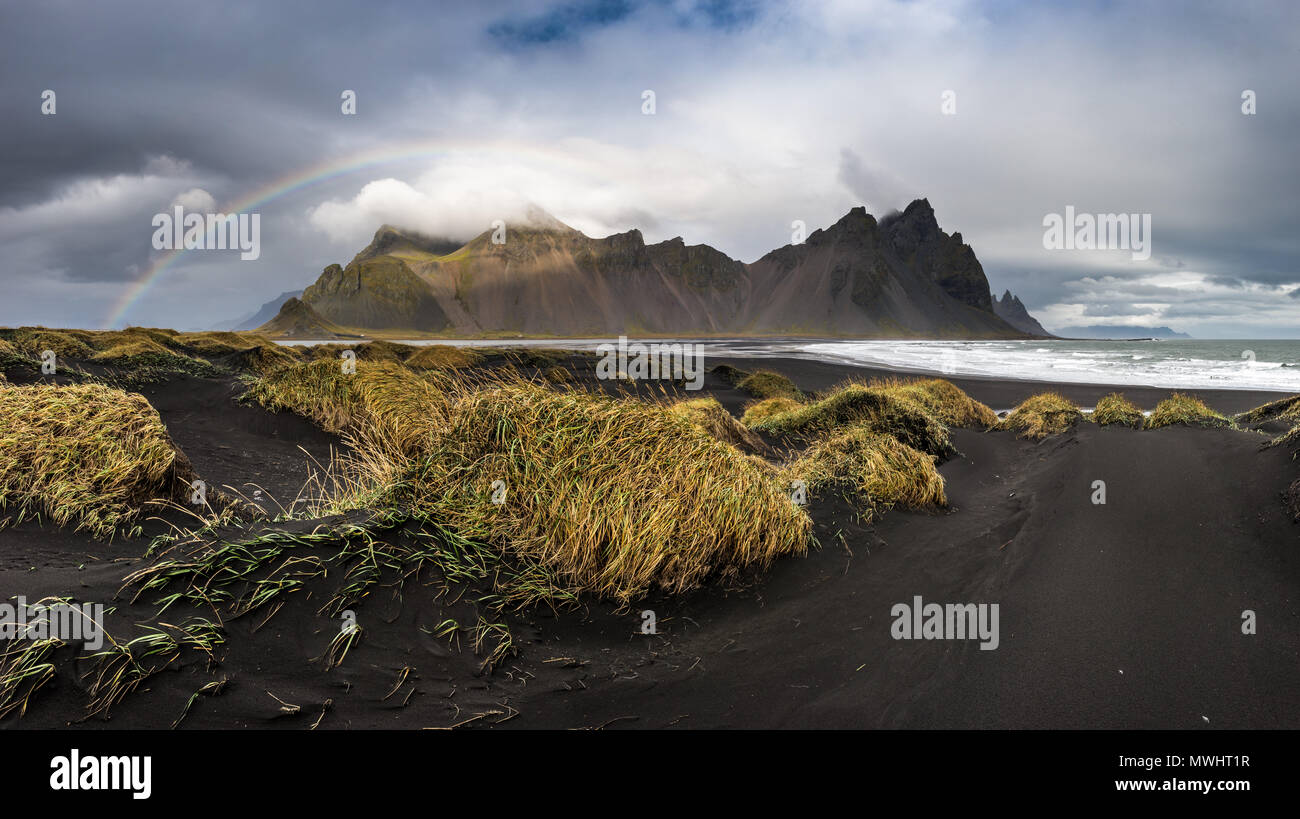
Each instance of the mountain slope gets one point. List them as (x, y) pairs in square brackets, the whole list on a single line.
[(297, 319), (378, 293), (1013, 312), (261, 316), (900, 277)]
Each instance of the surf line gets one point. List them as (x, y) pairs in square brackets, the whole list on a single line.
[(951, 621), (638, 362)]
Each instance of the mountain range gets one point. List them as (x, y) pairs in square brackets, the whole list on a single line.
[(900, 276), (1013, 312), (1119, 331)]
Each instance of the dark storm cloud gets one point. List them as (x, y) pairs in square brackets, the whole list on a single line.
[(768, 113)]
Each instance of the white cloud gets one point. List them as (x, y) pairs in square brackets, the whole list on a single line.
[(195, 200)]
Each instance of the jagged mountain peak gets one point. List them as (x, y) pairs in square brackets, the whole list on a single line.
[(1013, 311), (901, 276)]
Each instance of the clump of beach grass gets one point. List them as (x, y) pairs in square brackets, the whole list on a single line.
[(1116, 409), (406, 406), (84, 455), (381, 350), (1287, 439), (881, 410), (769, 384), (710, 416), (558, 374), (731, 375), (36, 340), (611, 497), (25, 666), (1041, 415), (603, 496), (768, 407), (889, 473), (1181, 408), (944, 399), (144, 360), (443, 357), (264, 357), (1285, 409), (215, 343), (135, 348)]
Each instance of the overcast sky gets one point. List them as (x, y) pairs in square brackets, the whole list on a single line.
[(765, 113)]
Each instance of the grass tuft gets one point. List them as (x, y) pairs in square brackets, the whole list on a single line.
[(407, 407), (710, 416), (87, 455), (945, 400), (611, 497), (443, 357), (768, 384), (1285, 409), (1045, 414), (1116, 409), (768, 407), (596, 495), (36, 340), (880, 409), (264, 357), (1180, 408), (887, 472)]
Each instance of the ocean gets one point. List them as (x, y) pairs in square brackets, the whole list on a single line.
[(1259, 364)]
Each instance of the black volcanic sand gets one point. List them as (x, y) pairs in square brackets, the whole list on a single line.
[(1123, 615)]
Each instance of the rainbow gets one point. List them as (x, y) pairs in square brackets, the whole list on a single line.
[(315, 175)]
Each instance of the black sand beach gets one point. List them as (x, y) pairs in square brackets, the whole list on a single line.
[(1123, 615)]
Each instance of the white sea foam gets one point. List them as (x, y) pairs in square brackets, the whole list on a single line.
[(1175, 364)]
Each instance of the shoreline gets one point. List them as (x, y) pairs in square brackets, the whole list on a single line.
[(733, 348), (997, 392)]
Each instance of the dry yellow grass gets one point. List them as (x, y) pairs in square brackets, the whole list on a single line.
[(130, 349), (380, 350), (85, 455), (36, 340), (1042, 415), (768, 407), (217, 343), (880, 409), (945, 400), (598, 495), (408, 408), (265, 357), (1116, 409), (1285, 409), (1180, 408), (769, 384), (610, 497), (887, 472), (443, 357), (710, 416)]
